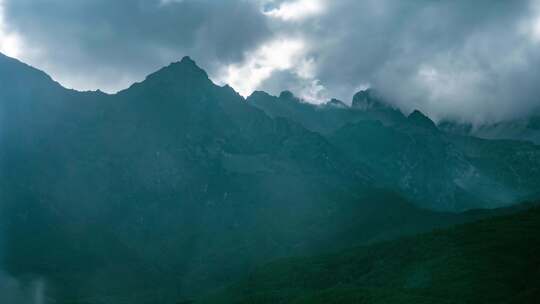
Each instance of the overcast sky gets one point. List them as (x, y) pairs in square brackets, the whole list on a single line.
[(469, 60)]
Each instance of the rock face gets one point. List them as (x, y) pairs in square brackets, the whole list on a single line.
[(325, 118), (431, 167), (176, 185), (368, 100), (420, 120), (439, 171)]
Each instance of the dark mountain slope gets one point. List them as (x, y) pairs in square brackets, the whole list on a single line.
[(432, 168), (179, 178), (176, 186), (170, 188), (443, 172), (491, 261)]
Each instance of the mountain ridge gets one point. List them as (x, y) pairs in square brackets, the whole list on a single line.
[(190, 185), (191, 83)]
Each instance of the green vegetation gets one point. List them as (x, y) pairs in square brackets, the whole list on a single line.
[(491, 261)]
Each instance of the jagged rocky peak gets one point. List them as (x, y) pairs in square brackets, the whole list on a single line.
[(229, 89), (336, 103), (420, 119), (262, 100), (262, 96), (185, 70), (368, 100), (259, 94), (187, 65), (287, 95)]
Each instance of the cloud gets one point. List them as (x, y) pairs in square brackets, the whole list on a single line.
[(536, 29), (468, 60), (275, 55), (9, 43), (296, 10), (533, 27), (110, 44), (451, 59), (481, 69)]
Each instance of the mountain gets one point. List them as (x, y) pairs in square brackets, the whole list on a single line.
[(490, 261), (178, 177), (524, 129), (171, 188), (441, 171), (327, 117), (431, 167), (176, 186)]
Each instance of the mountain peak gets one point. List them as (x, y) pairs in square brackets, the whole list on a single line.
[(187, 60), (185, 71), (418, 115), (260, 97), (368, 100), (420, 119), (336, 103), (286, 95), (186, 65)]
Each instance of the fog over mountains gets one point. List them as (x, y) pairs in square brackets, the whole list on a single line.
[(176, 186)]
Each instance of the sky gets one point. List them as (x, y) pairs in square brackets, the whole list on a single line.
[(474, 61)]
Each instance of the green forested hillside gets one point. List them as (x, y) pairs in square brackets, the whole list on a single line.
[(490, 261)]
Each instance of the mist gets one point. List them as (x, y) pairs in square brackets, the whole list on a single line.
[(14, 291), (30, 290)]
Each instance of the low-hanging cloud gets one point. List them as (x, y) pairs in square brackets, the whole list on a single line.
[(474, 61)]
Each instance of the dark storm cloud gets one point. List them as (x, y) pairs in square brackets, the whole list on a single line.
[(96, 43), (469, 60)]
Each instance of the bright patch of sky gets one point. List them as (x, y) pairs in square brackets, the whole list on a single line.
[(9, 43), (296, 10), (277, 55), (280, 54), (536, 23)]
